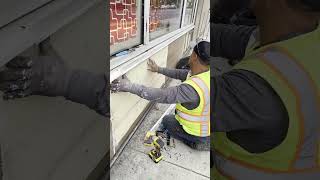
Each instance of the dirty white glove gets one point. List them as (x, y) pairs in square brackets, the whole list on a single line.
[(121, 85), (43, 75), (152, 66)]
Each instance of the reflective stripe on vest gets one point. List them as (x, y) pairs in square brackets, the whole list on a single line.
[(232, 170), (205, 115), (304, 165), (206, 92), (201, 118), (192, 118), (302, 85)]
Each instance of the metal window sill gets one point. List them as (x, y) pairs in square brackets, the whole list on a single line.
[(39, 25), (123, 64)]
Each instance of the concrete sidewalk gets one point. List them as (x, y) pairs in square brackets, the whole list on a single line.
[(179, 163)]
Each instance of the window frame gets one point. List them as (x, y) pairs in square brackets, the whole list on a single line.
[(129, 61), (183, 3), (195, 4), (139, 34)]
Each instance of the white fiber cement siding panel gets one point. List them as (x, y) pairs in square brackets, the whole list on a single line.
[(126, 107)]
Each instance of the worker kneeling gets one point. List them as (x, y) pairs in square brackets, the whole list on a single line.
[(191, 122)]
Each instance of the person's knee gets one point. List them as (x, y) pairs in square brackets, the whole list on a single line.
[(167, 120)]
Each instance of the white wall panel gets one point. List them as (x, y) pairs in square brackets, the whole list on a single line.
[(125, 107), (176, 50), (45, 138)]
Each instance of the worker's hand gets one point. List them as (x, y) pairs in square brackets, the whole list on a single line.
[(152, 66), (121, 85), (15, 78), (25, 76)]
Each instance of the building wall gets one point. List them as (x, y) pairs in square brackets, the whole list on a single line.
[(126, 107), (46, 138), (13, 9), (176, 50), (202, 27)]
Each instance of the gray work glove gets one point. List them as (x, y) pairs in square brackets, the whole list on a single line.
[(152, 66), (121, 85), (25, 76)]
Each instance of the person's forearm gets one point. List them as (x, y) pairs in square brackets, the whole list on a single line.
[(242, 100), (180, 74), (152, 94), (172, 95), (89, 89)]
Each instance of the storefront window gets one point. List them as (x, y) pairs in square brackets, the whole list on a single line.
[(125, 24), (165, 17), (188, 17)]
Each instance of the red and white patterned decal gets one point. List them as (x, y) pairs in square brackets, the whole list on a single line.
[(123, 20)]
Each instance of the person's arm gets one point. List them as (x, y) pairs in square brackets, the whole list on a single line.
[(230, 41), (179, 94), (183, 93), (242, 100), (89, 89), (49, 76), (180, 74), (248, 110)]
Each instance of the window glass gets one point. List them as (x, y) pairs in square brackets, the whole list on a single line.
[(125, 24), (165, 17), (188, 17)]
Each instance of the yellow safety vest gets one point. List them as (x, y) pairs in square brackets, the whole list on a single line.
[(197, 121), (291, 67)]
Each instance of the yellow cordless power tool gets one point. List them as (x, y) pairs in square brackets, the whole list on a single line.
[(155, 154), (152, 140)]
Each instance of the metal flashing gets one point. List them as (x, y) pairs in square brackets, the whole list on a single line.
[(39, 25)]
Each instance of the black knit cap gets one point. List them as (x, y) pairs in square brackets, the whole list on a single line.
[(202, 49)]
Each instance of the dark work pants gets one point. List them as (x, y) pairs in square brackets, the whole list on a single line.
[(176, 131)]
